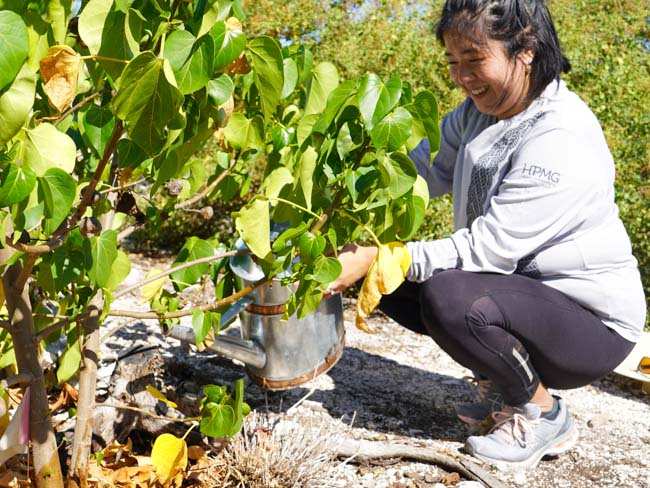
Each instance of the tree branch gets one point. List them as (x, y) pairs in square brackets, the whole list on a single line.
[(207, 189), (78, 106), (180, 267), (184, 313)]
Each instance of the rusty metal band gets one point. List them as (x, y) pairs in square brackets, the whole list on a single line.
[(266, 309), (292, 383)]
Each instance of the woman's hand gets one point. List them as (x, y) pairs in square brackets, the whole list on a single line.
[(355, 261)]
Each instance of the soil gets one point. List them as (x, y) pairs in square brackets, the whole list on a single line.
[(395, 387)]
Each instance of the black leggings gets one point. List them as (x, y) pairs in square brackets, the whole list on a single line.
[(510, 329)]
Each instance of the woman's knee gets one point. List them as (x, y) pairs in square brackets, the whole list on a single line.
[(447, 297)]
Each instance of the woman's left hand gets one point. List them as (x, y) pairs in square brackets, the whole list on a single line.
[(355, 261)]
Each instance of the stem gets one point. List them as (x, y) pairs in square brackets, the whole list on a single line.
[(77, 106), (88, 195), (361, 224), (58, 325), (189, 430), (295, 205), (104, 58), (180, 267), (149, 414), (123, 187), (81, 444), (206, 190), (184, 313)]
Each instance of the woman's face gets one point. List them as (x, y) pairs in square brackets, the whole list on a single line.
[(496, 83)]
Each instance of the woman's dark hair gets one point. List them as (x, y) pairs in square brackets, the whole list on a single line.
[(519, 24)]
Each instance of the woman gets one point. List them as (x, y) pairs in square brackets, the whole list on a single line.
[(537, 287)]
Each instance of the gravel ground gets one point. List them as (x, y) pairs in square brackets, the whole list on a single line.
[(397, 387)]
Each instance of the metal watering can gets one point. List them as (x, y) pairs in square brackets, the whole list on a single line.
[(278, 354)]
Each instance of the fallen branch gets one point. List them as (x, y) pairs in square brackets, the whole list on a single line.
[(367, 450)]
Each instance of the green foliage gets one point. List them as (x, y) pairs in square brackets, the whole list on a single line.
[(222, 413)]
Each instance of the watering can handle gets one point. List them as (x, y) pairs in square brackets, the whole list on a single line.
[(233, 311)]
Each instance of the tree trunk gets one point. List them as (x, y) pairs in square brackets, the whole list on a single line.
[(87, 387), (83, 431), (46, 458)]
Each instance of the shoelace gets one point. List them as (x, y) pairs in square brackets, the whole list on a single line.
[(512, 426)]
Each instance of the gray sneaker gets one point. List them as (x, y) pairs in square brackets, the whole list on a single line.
[(522, 436), (489, 400)]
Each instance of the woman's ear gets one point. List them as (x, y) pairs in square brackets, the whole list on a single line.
[(526, 56)]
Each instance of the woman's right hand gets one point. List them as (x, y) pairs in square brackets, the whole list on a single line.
[(355, 261)]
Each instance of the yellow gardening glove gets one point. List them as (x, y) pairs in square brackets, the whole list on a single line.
[(386, 273)]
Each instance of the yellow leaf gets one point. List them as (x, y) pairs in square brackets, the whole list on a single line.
[(385, 275), (152, 289), (159, 396), (60, 72), (169, 457), (4, 411)]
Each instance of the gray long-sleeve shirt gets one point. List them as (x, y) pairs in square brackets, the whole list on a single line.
[(534, 194)]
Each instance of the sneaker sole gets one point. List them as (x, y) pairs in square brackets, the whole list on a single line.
[(561, 445)]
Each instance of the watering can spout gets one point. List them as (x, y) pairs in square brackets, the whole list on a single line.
[(246, 351)]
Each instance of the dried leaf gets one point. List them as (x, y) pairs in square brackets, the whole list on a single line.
[(169, 456), (60, 71), (386, 274), (159, 396)]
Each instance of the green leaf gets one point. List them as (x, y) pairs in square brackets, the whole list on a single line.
[(276, 181), (102, 30), (325, 78), (425, 107), (16, 104), (229, 42), (326, 269), (147, 100), (100, 253), (16, 183), (347, 140), (201, 323), (69, 362), (398, 173), (194, 248), (91, 23), (119, 271), (268, 68), (393, 130), (130, 154), (66, 266), (242, 133), (14, 46), (217, 420), (220, 89), (306, 168), (311, 246), (280, 243), (98, 125), (190, 60), (335, 101), (253, 224), (59, 190), (290, 77), (376, 99), (46, 147)]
